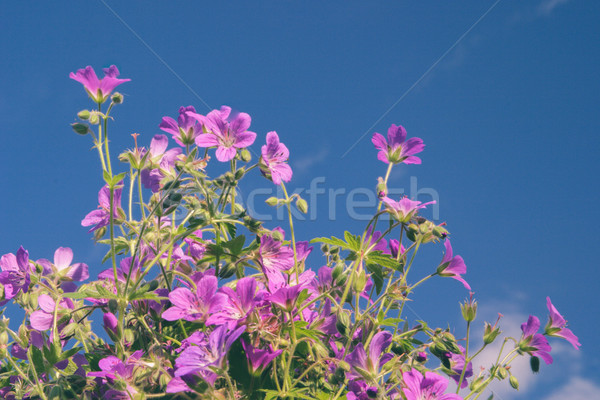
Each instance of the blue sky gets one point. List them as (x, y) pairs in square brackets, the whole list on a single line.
[(504, 94)]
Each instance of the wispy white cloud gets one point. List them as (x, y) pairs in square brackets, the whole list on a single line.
[(547, 6), (304, 163), (576, 389)]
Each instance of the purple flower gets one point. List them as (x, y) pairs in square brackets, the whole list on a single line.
[(15, 273), (453, 266), (430, 387), (98, 89), (185, 129), (286, 297), (101, 217), (112, 369), (63, 256), (376, 240), (557, 326), (457, 363), (231, 307), (259, 359), (368, 365), (125, 268), (110, 323), (394, 247), (273, 160), (198, 359), (43, 319), (273, 256), (227, 132), (360, 390), (189, 305), (404, 209), (535, 343), (196, 247), (396, 149), (162, 162)]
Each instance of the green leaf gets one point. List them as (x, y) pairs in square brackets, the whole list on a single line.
[(376, 274), (302, 297), (68, 353), (235, 245), (385, 260), (102, 291), (332, 241), (117, 178), (106, 177), (35, 356), (80, 295), (353, 241)]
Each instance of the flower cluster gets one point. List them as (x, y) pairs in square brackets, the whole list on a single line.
[(201, 300)]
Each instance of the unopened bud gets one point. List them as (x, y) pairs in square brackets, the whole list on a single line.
[(153, 286), (240, 173), (534, 362), (245, 155), (117, 98), (83, 114), (80, 129), (302, 205), (502, 372), (360, 281), (342, 322), (277, 236), (513, 382), (272, 201)]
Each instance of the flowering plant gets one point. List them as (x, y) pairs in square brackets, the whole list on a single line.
[(201, 300)]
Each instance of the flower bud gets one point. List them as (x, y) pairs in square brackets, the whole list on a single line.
[(502, 372), (337, 271), (153, 286), (342, 322), (490, 333), (113, 305), (477, 385), (302, 205), (80, 129), (110, 323), (440, 232), (272, 201), (381, 188), (83, 114), (277, 235), (117, 98), (129, 337), (534, 362), (469, 309), (513, 382), (240, 173), (245, 155), (360, 281)]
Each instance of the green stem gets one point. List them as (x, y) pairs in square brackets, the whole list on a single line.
[(464, 369), (289, 208), (141, 196), (132, 175)]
